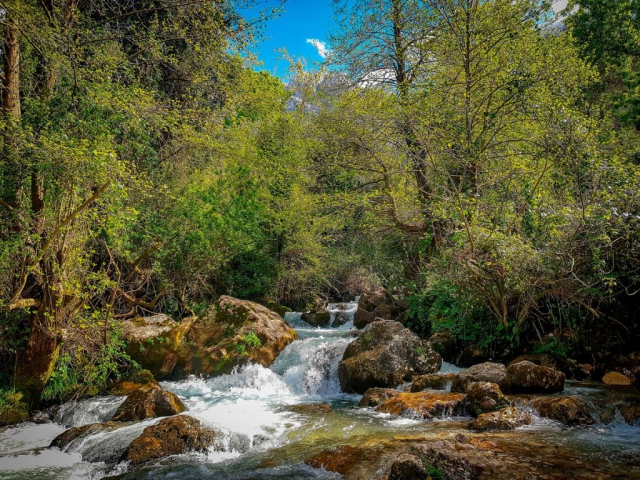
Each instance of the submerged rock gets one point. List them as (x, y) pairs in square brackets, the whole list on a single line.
[(148, 403), (567, 410), (309, 408), (484, 397), (68, 436), (508, 418), (385, 355), (432, 382), (527, 377), (171, 436), (423, 404), (483, 372), (615, 378)]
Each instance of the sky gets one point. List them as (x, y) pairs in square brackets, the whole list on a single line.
[(302, 29)]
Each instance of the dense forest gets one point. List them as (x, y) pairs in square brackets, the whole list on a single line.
[(479, 159)]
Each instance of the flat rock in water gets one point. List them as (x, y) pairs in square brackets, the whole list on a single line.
[(68, 436), (422, 404), (615, 378), (133, 382), (508, 418), (567, 410)]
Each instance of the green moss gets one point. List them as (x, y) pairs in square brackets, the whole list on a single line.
[(12, 408)]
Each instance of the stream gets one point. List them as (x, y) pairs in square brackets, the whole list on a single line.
[(274, 419)]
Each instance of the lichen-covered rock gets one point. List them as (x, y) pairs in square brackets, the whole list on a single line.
[(154, 342), (148, 403), (484, 397), (445, 344), (422, 404), (384, 355), (317, 319), (408, 467), (508, 418), (527, 377), (131, 383), (171, 436), (615, 378), (432, 382), (482, 372), (567, 410), (68, 436)]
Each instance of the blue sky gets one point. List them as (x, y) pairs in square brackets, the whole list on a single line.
[(302, 20)]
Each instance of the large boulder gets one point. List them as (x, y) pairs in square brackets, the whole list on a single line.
[(362, 318), (483, 372), (567, 410), (384, 355), (438, 381), (484, 397), (527, 377), (154, 342), (171, 436), (508, 418), (231, 333), (148, 403), (423, 404)]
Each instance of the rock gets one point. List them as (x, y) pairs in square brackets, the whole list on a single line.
[(567, 410), (471, 355), (233, 332), (276, 307), (445, 344), (148, 403), (432, 382), (542, 359), (362, 318), (339, 460), (423, 404), (569, 367), (508, 418), (631, 414), (309, 408), (171, 436), (154, 342), (340, 319), (12, 409), (377, 396), (484, 397), (527, 377), (68, 436), (317, 319), (128, 385), (384, 355), (483, 372), (615, 378), (372, 300), (408, 467)]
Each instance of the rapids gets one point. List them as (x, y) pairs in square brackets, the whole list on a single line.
[(264, 437)]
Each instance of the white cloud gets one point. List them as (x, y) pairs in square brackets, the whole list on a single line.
[(321, 46)]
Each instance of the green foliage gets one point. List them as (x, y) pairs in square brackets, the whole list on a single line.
[(251, 340), (12, 407)]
